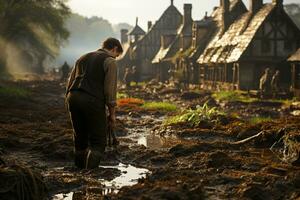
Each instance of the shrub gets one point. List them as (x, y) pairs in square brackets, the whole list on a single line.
[(197, 116)]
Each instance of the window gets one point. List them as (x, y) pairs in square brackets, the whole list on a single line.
[(288, 45), (266, 46)]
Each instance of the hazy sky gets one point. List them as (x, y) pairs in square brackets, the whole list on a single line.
[(117, 11)]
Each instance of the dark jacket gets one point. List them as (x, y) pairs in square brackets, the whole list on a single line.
[(88, 74)]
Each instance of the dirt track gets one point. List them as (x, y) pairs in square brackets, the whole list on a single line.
[(185, 163)]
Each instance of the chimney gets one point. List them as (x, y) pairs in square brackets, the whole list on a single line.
[(255, 5), (225, 5), (149, 25), (187, 18), (206, 15), (124, 36), (278, 2)]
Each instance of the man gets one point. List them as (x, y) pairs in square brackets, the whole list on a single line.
[(275, 83), (92, 87), (65, 69), (134, 75), (265, 83), (127, 77)]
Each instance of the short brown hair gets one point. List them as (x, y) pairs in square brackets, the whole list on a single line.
[(111, 43)]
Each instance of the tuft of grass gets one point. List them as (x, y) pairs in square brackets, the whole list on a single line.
[(258, 120), (138, 84), (233, 96), (122, 95), (162, 106), (195, 117), (14, 91)]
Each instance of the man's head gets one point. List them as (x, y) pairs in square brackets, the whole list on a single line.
[(114, 46)]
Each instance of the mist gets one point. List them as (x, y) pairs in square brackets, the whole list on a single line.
[(86, 34)]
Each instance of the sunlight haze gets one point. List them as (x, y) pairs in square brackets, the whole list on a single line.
[(118, 11)]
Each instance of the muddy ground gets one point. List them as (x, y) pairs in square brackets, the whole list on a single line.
[(178, 162)]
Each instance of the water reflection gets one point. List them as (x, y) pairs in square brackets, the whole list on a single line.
[(68, 196), (151, 141), (129, 176)]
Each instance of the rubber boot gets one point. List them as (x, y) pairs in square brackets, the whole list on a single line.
[(80, 159), (93, 159)]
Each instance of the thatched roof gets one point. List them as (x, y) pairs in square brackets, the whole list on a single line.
[(295, 57), (164, 53), (169, 52), (170, 11), (230, 46)]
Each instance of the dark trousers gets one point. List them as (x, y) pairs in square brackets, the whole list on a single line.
[(88, 118)]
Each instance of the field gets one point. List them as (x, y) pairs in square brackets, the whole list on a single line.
[(173, 145)]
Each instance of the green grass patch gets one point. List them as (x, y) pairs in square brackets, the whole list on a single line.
[(285, 102), (233, 96), (14, 91), (162, 106), (121, 95), (138, 84), (258, 120), (196, 117)]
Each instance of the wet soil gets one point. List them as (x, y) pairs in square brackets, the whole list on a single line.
[(152, 161)]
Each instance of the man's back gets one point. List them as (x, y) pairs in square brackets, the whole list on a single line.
[(88, 74)]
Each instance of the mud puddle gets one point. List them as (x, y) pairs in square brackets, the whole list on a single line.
[(129, 176), (139, 131)]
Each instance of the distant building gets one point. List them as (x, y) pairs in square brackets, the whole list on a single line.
[(202, 33), (141, 49), (295, 62), (238, 54), (173, 44)]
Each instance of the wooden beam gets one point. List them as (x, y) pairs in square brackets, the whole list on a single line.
[(275, 35)]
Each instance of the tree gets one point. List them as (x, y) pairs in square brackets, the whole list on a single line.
[(35, 25)]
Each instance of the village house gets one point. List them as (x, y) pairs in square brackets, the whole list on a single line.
[(295, 63), (141, 48), (172, 45), (263, 37), (202, 32)]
